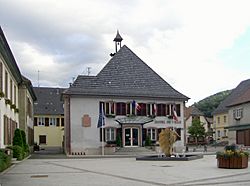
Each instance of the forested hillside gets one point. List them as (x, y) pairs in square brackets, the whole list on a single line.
[(210, 103)]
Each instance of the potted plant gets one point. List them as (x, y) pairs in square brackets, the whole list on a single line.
[(13, 106), (232, 158), (1, 94), (8, 101), (16, 110)]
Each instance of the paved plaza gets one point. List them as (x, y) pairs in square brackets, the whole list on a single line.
[(121, 171)]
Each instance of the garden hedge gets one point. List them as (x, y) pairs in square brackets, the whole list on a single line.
[(5, 161)]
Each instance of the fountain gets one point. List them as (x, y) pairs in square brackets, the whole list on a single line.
[(167, 139)]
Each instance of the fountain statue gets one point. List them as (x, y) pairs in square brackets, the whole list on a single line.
[(167, 138)]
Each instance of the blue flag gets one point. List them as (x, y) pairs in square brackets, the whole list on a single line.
[(101, 121)]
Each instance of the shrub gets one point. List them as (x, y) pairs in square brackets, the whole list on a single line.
[(26, 148), (18, 152), (118, 141), (20, 140), (148, 141), (17, 139), (5, 161)]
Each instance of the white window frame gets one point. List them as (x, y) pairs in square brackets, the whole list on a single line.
[(110, 134), (152, 133), (41, 121), (108, 112), (218, 134), (52, 121), (238, 113), (225, 118), (225, 132)]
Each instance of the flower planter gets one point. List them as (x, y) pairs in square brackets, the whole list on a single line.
[(232, 162)]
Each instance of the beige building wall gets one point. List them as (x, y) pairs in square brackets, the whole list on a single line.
[(54, 134), (26, 114), (220, 122)]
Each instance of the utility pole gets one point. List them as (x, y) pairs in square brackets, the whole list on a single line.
[(38, 84), (88, 70)]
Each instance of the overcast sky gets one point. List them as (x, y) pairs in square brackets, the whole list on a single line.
[(198, 47)]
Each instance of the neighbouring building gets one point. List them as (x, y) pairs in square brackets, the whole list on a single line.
[(12, 115), (48, 117), (239, 115), (135, 101), (192, 113), (220, 119), (26, 113)]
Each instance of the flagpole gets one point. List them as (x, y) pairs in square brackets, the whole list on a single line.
[(102, 129), (102, 141)]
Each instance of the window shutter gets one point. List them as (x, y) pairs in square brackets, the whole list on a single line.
[(1, 77)]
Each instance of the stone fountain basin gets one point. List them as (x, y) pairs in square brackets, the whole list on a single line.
[(186, 157)]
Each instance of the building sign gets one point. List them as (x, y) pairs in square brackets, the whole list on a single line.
[(86, 121), (167, 121)]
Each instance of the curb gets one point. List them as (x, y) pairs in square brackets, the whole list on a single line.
[(6, 170), (13, 163)]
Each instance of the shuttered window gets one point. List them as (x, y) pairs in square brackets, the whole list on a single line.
[(1, 77), (6, 85)]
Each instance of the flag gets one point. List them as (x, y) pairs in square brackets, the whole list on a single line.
[(154, 109), (101, 121), (136, 105), (174, 114)]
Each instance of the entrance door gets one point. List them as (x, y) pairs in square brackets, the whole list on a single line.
[(131, 137)]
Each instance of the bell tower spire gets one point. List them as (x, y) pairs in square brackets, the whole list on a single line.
[(118, 40)]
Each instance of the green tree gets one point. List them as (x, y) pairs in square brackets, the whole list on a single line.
[(196, 129), (20, 146), (148, 141), (118, 141), (17, 139)]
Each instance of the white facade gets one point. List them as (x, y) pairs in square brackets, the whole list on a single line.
[(5, 109), (86, 140)]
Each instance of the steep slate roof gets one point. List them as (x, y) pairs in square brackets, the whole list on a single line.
[(30, 87), (125, 75), (244, 93), (8, 57), (237, 95), (49, 101)]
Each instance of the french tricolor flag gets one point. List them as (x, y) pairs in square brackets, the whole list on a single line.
[(154, 108), (175, 117), (136, 105)]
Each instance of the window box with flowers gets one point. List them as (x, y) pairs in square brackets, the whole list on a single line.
[(13, 106), (8, 101), (232, 158), (16, 110), (1, 95), (110, 115)]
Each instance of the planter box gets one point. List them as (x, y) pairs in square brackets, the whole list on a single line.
[(232, 162)]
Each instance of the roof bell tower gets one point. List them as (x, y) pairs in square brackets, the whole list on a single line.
[(118, 40)]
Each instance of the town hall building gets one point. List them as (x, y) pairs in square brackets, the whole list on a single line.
[(126, 100)]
